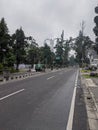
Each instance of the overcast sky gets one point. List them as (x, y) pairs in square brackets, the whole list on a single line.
[(47, 18)]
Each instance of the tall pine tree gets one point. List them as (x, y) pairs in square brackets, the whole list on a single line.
[(4, 40), (19, 45)]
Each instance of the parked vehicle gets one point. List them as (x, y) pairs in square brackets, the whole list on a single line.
[(94, 64), (40, 67)]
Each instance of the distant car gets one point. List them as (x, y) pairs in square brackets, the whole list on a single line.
[(93, 67), (86, 68), (94, 64), (40, 67)]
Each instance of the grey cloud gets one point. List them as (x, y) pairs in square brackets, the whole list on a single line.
[(46, 18)]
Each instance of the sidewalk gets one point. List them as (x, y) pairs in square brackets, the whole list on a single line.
[(94, 91), (90, 88)]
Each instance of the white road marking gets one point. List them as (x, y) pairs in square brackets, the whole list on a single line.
[(11, 94), (71, 113), (50, 77)]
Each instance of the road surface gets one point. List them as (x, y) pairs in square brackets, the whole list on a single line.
[(41, 102)]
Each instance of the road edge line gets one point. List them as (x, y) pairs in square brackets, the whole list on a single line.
[(71, 113)]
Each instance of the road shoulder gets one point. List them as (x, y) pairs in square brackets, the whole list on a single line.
[(88, 86), (80, 121)]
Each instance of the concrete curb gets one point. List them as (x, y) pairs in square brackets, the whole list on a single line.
[(92, 95), (22, 76), (16, 77), (90, 106)]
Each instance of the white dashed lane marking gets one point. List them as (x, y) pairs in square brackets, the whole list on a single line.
[(50, 77), (11, 94)]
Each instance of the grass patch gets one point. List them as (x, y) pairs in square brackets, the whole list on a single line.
[(88, 76), (85, 71)]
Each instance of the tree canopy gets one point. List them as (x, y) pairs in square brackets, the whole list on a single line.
[(82, 44), (18, 48), (4, 40)]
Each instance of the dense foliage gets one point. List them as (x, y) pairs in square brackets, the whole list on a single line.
[(82, 44), (18, 48)]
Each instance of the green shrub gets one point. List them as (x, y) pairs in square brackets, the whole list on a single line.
[(13, 70), (85, 71)]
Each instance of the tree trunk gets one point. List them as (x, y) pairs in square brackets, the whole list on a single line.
[(17, 67)]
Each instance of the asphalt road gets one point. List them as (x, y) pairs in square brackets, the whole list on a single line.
[(41, 102)]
